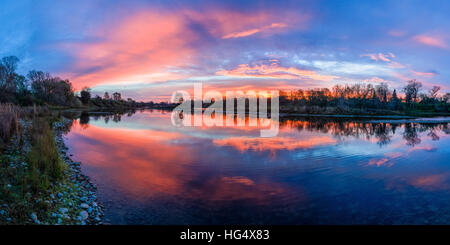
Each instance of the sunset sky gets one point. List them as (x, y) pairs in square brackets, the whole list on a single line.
[(148, 49)]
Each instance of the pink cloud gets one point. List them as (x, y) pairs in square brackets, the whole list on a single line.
[(434, 41), (138, 46), (380, 56), (254, 31), (423, 74), (149, 42), (274, 70), (245, 144), (396, 33), (396, 65)]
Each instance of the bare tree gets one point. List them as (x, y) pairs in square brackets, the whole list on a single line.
[(412, 90), (8, 66), (433, 92)]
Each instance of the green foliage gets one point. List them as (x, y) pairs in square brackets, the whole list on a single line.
[(44, 160)]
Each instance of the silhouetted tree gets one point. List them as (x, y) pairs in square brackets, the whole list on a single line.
[(411, 91), (52, 90), (85, 95), (433, 92), (117, 96), (8, 66)]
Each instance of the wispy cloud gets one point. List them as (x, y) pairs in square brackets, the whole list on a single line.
[(149, 42), (424, 74), (429, 40), (380, 56), (250, 32), (274, 70)]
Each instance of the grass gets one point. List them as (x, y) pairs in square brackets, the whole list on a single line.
[(9, 122), (30, 164), (44, 160)]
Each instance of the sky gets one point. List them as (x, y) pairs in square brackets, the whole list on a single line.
[(149, 49)]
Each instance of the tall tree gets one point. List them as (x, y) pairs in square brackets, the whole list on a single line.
[(8, 66), (117, 96), (85, 95), (433, 92), (411, 91)]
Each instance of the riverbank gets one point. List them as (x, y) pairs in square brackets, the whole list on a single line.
[(39, 182)]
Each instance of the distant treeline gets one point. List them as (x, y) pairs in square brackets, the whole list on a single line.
[(365, 98), (41, 88), (361, 98)]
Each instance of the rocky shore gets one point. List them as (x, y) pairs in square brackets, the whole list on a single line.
[(88, 211), (70, 200)]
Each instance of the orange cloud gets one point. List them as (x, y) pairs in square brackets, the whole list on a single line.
[(139, 46), (143, 46), (433, 41), (274, 71)]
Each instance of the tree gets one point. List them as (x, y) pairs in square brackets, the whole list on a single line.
[(394, 102), (382, 92), (433, 92), (106, 96), (117, 96), (8, 66), (446, 98), (52, 90), (21, 85), (411, 91), (85, 95)]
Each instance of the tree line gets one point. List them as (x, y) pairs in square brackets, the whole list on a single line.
[(363, 96), (41, 88)]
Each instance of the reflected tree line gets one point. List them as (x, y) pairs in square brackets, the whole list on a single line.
[(340, 128), (382, 132), (85, 117)]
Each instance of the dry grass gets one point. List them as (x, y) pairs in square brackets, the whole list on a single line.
[(9, 121)]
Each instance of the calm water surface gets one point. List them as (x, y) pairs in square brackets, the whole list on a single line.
[(315, 171)]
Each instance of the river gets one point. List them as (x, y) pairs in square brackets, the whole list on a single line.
[(316, 171)]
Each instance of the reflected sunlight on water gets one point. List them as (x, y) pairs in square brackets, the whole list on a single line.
[(318, 171)]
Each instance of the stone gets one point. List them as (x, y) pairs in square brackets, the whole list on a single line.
[(84, 206), (83, 215), (34, 218)]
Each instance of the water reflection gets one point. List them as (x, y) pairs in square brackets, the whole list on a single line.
[(316, 171)]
